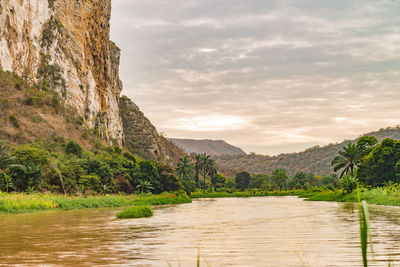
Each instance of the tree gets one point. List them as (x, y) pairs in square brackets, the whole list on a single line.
[(74, 148), (167, 177), (185, 168), (278, 179), (242, 180), (382, 164), (366, 144), (144, 186), (6, 160), (258, 180), (218, 180), (28, 178), (348, 159), (205, 166), (149, 172), (199, 166), (6, 182)]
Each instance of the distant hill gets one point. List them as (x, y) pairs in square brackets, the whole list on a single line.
[(211, 147), (316, 159)]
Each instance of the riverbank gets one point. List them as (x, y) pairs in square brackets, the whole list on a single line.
[(23, 203), (377, 196), (199, 194)]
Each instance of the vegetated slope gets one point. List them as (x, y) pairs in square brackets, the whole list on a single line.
[(211, 147), (29, 115), (142, 138), (316, 159)]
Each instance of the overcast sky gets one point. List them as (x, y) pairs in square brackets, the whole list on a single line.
[(268, 76)]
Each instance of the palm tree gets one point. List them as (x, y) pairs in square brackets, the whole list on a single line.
[(205, 166), (6, 160), (348, 160), (210, 168), (144, 186), (199, 166), (185, 168), (7, 182)]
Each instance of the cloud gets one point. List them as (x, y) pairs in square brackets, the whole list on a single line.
[(269, 76)]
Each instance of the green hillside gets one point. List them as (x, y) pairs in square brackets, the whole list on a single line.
[(316, 160)]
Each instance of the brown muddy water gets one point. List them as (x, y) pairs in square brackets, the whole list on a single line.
[(263, 231)]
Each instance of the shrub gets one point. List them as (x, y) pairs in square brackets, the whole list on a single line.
[(14, 121), (91, 182), (135, 212), (74, 148)]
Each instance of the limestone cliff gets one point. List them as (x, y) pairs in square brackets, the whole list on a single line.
[(63, 45)]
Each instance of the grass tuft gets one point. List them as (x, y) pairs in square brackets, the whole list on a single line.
[(135, 212)]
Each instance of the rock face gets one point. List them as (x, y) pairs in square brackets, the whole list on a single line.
[(63, 45), (142, 137)]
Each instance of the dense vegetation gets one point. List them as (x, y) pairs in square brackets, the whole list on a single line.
[(314, 160), (18, 203), (65, 166)]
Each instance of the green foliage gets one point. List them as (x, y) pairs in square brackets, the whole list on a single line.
[(29, 177), (218, 180), (278, 179), (185, 168), (6, 183), (74, 148), (144, 186), (348, 159), (206, 167), (135, 212), (382, 164), (242, 180), (31, 154), (99, 168), (167, 177), (165, 198), (348, 183), (91, 182), (149, 172), (6, 159), (258, 180), (19, 203), (14, 121)]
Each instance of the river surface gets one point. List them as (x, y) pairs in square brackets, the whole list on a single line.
[(263, 231)]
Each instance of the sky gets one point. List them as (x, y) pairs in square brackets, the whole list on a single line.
[(271, 77)]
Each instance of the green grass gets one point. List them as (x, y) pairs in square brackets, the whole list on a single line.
[(21, 203), (135, 212), (377, 196)]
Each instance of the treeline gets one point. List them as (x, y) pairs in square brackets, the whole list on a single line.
[(66, 167), (201, 173), (369, 162)]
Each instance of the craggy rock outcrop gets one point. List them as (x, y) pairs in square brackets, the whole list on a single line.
[(142, 137), (64, 45)]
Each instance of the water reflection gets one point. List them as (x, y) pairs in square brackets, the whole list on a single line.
[(272, 231)]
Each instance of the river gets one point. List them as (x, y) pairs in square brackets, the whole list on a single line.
[(262, 231)]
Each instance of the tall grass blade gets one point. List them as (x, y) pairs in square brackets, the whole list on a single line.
[(365, 231)]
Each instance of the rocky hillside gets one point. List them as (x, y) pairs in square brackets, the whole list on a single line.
[(59, 78), (211, 147), (142, 137), (64, 46), (316, 160)]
